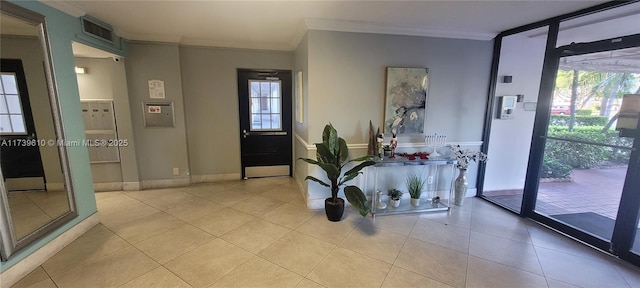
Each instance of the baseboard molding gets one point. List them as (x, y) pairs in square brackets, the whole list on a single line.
[(131, 186), (108, 186), (55, 187), (165, 183), (214, 177), (21, 269)]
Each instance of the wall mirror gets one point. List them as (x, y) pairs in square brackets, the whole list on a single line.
[(36, 194)]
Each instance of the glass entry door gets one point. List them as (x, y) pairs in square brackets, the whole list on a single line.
[(585, 166)]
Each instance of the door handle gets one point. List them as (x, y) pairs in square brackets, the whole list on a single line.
[(245, 134)]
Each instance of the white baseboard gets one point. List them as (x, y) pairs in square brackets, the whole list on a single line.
[(165, 183), (55, 187), (107, 186), (214, 177), (131, 186), (21, 269)]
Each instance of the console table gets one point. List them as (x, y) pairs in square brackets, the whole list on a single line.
[(431, 171)]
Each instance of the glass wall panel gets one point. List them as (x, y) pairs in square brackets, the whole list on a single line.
[(521, 59)]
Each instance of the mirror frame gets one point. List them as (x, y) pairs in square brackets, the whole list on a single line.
[(9, 244)]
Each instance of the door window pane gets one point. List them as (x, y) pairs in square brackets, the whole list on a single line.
[(5, 124), (13, 101), (9, 84), (265, 105), (17, 123), (10, 106)]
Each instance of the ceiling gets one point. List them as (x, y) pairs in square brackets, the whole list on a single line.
[(279, 25)]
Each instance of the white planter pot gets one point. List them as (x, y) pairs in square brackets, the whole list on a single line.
[(415, 202), (394, 203)]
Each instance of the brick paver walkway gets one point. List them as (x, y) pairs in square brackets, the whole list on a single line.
[(591, 190)]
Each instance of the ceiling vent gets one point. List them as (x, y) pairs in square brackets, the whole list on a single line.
[(96, 29)]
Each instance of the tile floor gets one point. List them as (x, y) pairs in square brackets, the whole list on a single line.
[(258, 233)]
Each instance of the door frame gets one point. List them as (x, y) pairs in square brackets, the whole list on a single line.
[(286, 110), (629, 206)]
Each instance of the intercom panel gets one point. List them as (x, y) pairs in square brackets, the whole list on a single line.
[(507, 106)]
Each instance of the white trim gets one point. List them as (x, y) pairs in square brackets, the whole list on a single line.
[(66, 7), (214, 177), (21, 269), (107, 186), (400, 145), (131, 186), (378, 28), (304, 143), (165, 183)]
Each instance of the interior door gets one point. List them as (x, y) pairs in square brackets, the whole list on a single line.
[(20, 153), (265, 122)]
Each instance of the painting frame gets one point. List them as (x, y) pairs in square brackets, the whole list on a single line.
[(406, 95), (299, 91)]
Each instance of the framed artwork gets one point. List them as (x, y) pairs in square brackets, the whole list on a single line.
[(406, 100), (299, 98)]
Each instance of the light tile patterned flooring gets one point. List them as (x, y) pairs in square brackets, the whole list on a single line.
[(258, 233)]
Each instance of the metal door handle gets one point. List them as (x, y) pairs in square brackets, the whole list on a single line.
[(245, 133)]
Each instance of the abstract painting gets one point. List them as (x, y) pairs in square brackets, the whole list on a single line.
[(406, 100)]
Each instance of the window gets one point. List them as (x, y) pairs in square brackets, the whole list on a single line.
[(265, 105), (11, 115)]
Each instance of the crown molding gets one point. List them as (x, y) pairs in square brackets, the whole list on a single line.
[(66, 7), (379, 28)]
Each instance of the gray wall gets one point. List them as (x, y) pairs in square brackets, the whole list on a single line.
[(158, 150), (348, 73), (346, 86), (210, 90)]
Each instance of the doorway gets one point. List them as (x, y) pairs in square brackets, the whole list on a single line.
[(265, 109), (21, 160), (593, 167)]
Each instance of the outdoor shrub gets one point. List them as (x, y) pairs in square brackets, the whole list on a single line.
[(580, 120), (576, 155), (580, 155), (585, 112), (554, 169)]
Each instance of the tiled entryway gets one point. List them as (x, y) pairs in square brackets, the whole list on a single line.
[(258, 233)]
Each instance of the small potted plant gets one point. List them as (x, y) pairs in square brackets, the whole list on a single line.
[(415, 184), (394, 197)]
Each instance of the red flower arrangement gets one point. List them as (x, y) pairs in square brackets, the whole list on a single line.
[(414, 156)]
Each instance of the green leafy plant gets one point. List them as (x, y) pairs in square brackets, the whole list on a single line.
[(394, 194), (332, 155), (551, 168), (415, 184)]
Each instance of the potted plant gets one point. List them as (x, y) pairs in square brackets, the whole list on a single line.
[(394, 197), (414, 185), (332, 155)]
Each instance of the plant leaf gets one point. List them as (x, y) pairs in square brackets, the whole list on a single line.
[(324, 154), (357, 199), (333, 172), (310, 161), (330, 137), (343, 151), (316, 180)]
